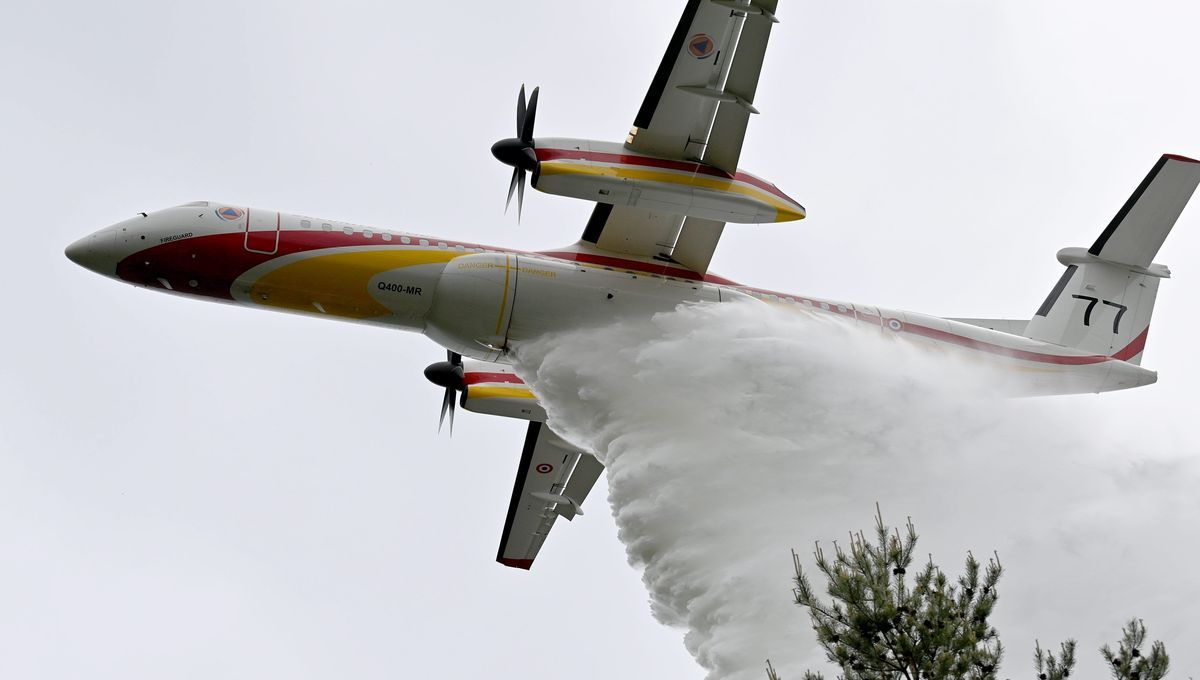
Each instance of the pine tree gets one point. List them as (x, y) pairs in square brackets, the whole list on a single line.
[(1128, 662), (879, 626), (882, 625), (1050, 667)]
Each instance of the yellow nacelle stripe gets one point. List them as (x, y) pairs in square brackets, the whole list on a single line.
[(783, 211), (474, 392)]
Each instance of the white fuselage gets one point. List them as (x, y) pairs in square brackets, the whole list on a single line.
[(478, 301)]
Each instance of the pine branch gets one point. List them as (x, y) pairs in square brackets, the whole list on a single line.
[(1128, 662), (1050, 667)]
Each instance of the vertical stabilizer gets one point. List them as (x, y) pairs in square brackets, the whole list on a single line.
[(1103, 301)]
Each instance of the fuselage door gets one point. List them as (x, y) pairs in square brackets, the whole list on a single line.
[(262, 231), (868, 314)]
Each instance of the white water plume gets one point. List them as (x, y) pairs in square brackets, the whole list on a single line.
[(732, 433)]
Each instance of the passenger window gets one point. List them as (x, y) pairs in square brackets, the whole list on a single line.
[(327, 226), (367, 233), (305, 223), (424, 242), (405, 239), (386, 236)]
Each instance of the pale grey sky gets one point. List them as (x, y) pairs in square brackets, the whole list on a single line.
[(196, 490)]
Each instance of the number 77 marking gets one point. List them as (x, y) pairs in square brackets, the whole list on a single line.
[(1087, 313), (1120, 312)]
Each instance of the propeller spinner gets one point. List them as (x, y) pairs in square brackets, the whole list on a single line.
[(518, 152), (448, 374)]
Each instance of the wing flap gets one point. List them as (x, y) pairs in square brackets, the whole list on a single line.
[(697, 242), (635, 231), (724, 147)]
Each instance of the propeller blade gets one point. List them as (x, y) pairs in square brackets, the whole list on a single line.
[(512, 186), (521, 110), (526, 131), (448, 374), (447, 405), (520, 194)]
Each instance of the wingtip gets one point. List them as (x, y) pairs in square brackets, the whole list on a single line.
[(1177, 157), (515, 563)]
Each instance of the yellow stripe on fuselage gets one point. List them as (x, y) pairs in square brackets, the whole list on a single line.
[(339, 282), (784, 212)]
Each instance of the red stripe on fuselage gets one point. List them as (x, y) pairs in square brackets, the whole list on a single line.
[(666, 164), (637, 266), (945, 336)]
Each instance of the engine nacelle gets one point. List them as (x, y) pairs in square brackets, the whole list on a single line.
[(610, 173), (495, 389)]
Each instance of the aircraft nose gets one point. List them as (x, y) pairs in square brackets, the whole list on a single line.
[(94, 253), (77, 252)]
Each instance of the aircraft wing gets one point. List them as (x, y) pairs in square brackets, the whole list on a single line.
[(696, 109), (553, 479), (702, 95)]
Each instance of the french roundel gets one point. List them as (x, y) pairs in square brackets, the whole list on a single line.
[(701, 45), (544, 468), (229, 213)]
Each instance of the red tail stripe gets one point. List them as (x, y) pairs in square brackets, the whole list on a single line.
[(1134, 348)]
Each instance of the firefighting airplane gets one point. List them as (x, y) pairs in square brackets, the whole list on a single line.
[(662, 199)]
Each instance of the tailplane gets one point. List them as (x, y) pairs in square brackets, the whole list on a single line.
[(1103, 301)]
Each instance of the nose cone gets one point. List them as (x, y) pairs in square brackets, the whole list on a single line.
[(94, 252)]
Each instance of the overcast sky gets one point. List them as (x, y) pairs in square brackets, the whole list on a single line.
[(192, 490)]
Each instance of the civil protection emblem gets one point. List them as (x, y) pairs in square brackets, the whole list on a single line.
[(701, 45), (230, 213)]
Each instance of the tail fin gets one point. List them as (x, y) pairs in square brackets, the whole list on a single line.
[(1103, 301)]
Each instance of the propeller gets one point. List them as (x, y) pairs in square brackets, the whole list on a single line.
[(518, 152), (448, 374)]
